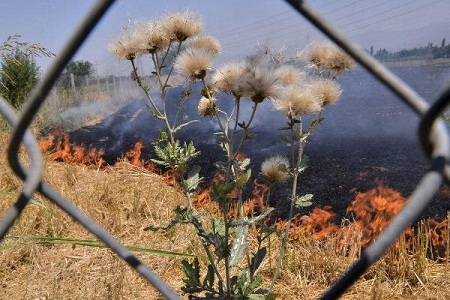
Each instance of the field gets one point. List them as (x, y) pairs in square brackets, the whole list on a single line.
[(124, 200), (365, 160)]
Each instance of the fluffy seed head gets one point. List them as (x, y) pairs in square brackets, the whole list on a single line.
[(257, 83), (275, 169), (128, 45), (330, 57), (296, 100), (226, 78), (180, 26), (207, 107), (208, 43), (153, 35), (289, 75), (193, 63), (326, 90)]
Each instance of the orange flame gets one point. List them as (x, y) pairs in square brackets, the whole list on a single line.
[(373, 211), (256, 203), (58, 147), (370, 211)]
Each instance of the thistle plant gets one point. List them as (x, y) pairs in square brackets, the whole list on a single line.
[(163, 40), (175, 47), (309, 95)]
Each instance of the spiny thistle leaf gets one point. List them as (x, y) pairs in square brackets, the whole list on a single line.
[(190, 184), (243, 179), (192, 280), (303, 201), (242, 165), (256, 219), (303, 164), (239, 245), (257, 259), (208, 281)]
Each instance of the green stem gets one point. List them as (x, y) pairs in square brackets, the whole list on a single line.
[(245, 130), (139, 82), (227, 254), (266, 200), (172, 67), (211, 261), (301, 145), (162, 88), (187, 194)]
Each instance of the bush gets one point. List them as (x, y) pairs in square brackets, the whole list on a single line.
[(19, 72), (18, 75)]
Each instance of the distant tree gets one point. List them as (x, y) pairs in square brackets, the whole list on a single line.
[(78, 69), (443, 43), (371, 50), (382, 54)]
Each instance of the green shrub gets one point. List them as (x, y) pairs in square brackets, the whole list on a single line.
[(18, 75)]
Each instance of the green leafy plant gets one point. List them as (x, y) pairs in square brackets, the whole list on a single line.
[(18, 75), (18, 71), (231, 270)]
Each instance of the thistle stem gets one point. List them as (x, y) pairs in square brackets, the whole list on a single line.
[(211, 261), (139, 82), (162, 87), (245, 128), (279, 264)]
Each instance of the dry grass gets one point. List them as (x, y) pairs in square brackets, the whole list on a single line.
[(125, 201)]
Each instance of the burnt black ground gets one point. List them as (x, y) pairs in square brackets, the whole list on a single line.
[(368, 137)]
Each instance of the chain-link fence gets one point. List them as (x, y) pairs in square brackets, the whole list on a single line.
[(432, 136)]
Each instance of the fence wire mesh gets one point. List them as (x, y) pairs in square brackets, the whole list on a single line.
[(432, 134)]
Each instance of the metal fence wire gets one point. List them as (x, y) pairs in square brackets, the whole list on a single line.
[(432, 134)]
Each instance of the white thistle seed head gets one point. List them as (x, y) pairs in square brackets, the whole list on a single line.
[(226, 77), (329, 57), (207, 107), (180, 26), (193, 63), (275, 169), (326, 90), (208, 43), (297, 100)]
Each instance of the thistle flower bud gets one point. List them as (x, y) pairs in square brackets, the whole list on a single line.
[(275, 169), (153, 36), (289, 75)]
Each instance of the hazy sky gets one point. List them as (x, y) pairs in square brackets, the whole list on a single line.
[(239, 24)]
